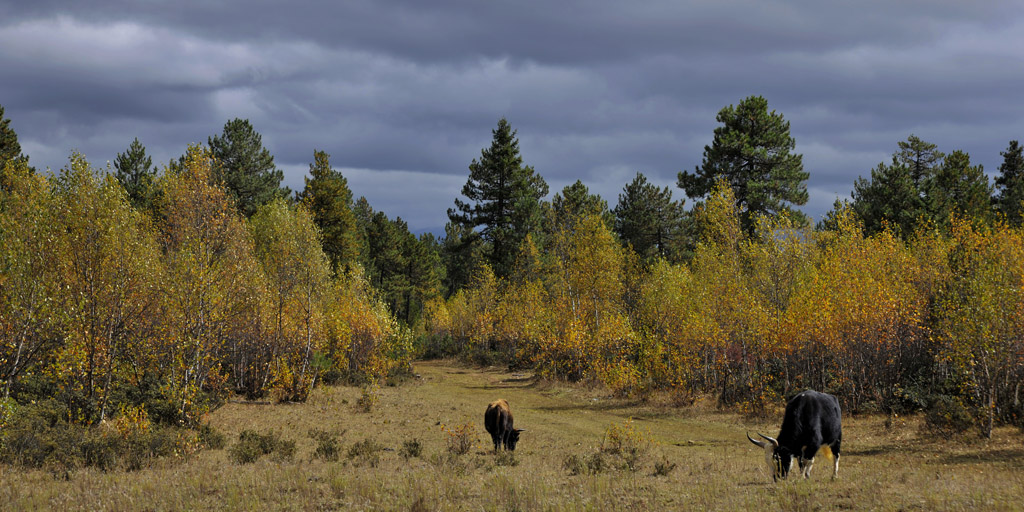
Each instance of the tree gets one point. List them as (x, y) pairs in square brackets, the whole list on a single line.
[(919, 157), (107, 270), (462, 256), (27, 259), (752, 151), (135, 172), (504, 197), (329, 199), (245, 167), (214, 285), (889, 198), (648, 219), (958, 187), (1010, 184), (575, 202), (10, 148), (287, 244)]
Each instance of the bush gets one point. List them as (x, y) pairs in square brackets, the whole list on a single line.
[(211, 437), (948, 416), (585, 464), (411, 449), (252, 445), (40, 436), (460, 438), (366, 451), (367, 400), (327, 445), (663, 467)]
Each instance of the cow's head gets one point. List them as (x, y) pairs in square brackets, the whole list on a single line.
[(513, 438), (778, 458)]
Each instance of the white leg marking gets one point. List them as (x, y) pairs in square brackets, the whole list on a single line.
[(835, 468), (807, 468)]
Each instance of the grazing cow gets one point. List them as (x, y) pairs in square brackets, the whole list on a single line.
[(498, 422), (812, 421)]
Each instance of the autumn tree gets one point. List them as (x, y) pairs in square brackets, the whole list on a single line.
[(135, 171), (287, 244), (245, 167), (214, 289), (648, 219), (27, 262), (107, 270), (329, 199), (752, 151), (503, 199), (1010, 184)]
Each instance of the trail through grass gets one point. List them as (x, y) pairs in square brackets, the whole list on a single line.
[(396, 457)]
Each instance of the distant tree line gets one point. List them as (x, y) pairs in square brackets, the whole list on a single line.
[(208, 276)]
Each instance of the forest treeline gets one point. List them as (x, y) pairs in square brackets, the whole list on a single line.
[(133, 288)]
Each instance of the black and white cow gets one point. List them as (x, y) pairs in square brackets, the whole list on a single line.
[(812, 421)]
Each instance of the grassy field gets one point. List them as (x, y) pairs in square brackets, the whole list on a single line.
[(884, 467)]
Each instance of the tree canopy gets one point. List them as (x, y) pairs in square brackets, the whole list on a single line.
[(753, 152), (503, 199), (245, 167)]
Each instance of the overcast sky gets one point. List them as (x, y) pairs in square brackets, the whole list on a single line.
[(404, 94)]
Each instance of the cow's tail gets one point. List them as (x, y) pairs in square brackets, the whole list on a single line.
[(826, 450)]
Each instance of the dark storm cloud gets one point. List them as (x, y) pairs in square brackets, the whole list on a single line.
[(404, 94)]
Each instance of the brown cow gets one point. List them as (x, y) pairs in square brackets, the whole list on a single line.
[(498, 421)]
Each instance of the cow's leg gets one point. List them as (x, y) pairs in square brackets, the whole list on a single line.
[(808, 464), (835, 459), (496, 440)]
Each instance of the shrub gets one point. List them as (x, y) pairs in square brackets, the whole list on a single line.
[(663, 467), (252, 445), (211, 437), (585, 464), (366, 451), (505, 458), (411, 449), (367, 400), (948, 416), (327, 445), (460, 438)]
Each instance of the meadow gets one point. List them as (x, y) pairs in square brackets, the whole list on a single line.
[(396, 451)]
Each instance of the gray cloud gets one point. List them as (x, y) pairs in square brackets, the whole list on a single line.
[(403, 94)]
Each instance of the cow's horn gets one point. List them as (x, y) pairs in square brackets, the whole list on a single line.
[(752, 440), (770, 439)]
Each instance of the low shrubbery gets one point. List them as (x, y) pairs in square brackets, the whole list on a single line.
[(252, 445)]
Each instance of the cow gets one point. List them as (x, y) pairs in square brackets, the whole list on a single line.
[(812, 421), (498, 422)]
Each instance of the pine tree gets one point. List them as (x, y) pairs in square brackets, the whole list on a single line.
[(329, 199), (1010, 184), (10, 148), (504, 198), (575, 201), (752, 150), (462, 256), (134, 169), (890, 198), (245, 167), (648, 219), (920, 157), (958, 187)]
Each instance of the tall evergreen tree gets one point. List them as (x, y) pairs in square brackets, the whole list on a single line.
[(462, 256), (576, 201), (889, 198), (648, 219), (752, 151), (504, 199), (1010, 184), (245, 167), (10, 148), (957, 186), (329, 199), (135, 171), (920, 158)]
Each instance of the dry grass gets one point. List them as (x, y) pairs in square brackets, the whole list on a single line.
[(883, 467)]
